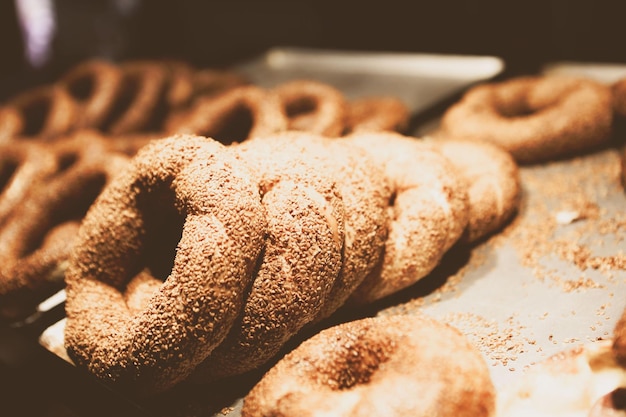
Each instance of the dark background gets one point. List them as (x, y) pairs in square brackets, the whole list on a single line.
[(220, 33)]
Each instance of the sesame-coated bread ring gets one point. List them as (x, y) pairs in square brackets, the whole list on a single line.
[(618, 89), (141, 91), (93, 85), (36, 242), (301, 259), (493, 183), (204, 240), (383, 366), (313, 106), (534, 118), (429, 211), (22, 165), (44, 112), (365, 193), (377, 114), (234, 116)]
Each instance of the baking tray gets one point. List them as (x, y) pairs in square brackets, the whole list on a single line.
[(555, 276)]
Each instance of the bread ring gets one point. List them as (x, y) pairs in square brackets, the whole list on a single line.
[(534, 118), (377, 114), (234, 116), (203, 190), (313, 106), (44, 112), (301, 259), (387, 365), (36, 242), (93, 85), (365, 193), (429, 208), (618, 89), (493, 183), (22, 165)]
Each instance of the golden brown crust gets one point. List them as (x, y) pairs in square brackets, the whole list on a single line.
[(382, 366), (377, 114), (534, 118), (493, 183), (429, 206), (201, 189), (313, 106)]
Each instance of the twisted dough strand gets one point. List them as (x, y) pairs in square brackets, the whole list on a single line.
[(301, 259), (428, 208)]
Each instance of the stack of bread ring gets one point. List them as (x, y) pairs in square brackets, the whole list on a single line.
[(219, 219)]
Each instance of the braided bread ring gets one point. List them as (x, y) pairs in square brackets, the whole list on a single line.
[(534, 118), (37, 241), (22, 165), (493, 183), (213, 197), (313, 106), (365, 193), (429, 211), (301, 259), (93, 85), (234, 116), (377, 114), (387, 365), (46, 112)]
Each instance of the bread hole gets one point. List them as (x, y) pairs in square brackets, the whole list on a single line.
[(82, 87), (301, 106), (163, 225), (67, 160), (235, 126)]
